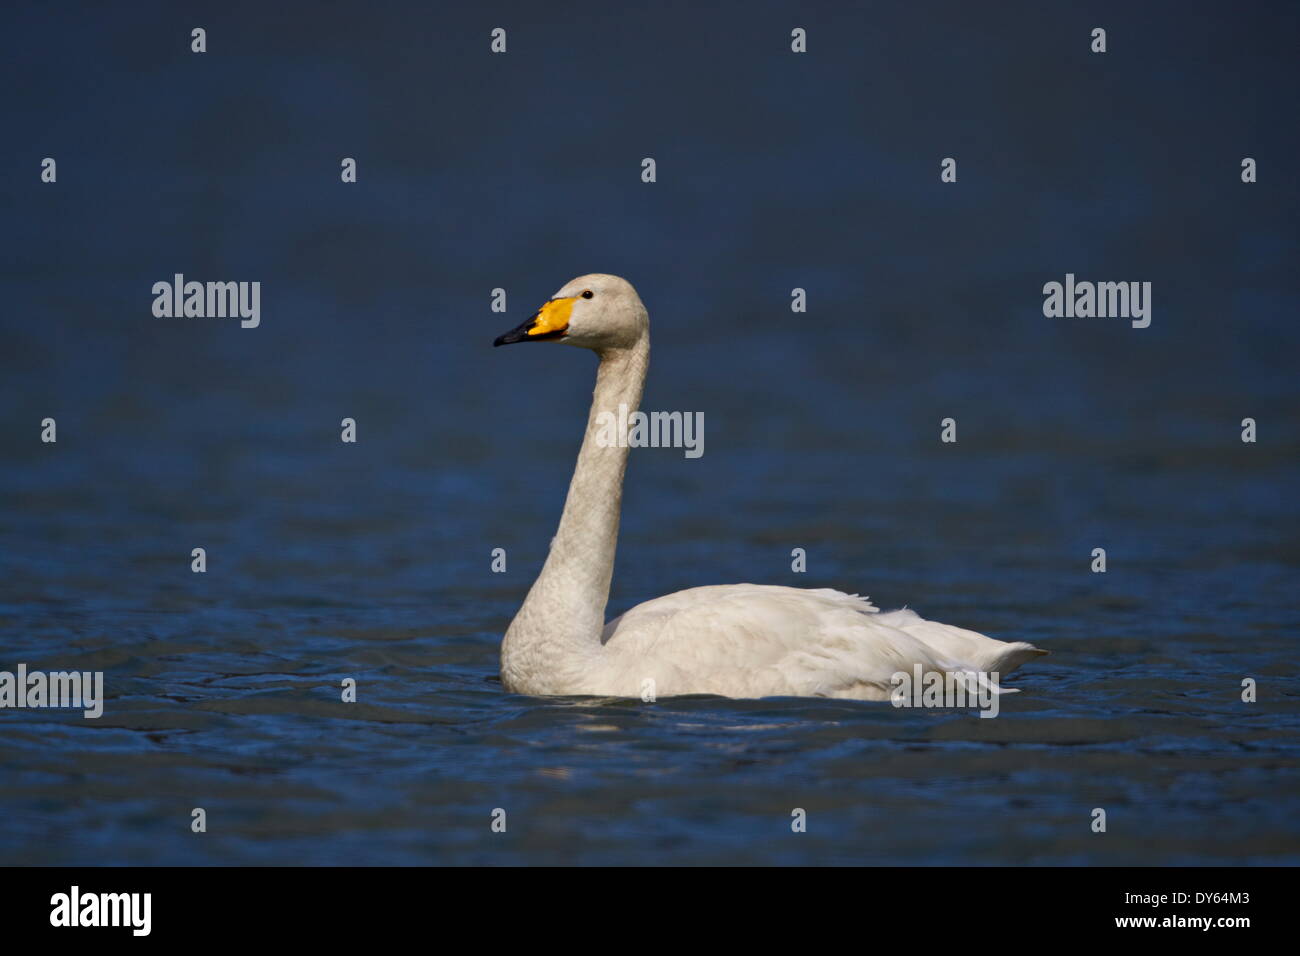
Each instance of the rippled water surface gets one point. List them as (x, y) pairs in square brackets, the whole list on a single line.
[(372, 561), (329, 562)]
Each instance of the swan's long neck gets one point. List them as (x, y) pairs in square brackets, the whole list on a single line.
[(557, 631)]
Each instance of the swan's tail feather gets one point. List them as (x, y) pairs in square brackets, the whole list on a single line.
[(974, 678), (974, 651), (1008, 657)]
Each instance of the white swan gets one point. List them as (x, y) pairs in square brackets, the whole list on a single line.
[(738, 640)]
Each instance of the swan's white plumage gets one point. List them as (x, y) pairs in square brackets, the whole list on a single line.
[(753, 640), (739, 640)]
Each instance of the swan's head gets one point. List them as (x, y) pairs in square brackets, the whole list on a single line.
[(595, 311)]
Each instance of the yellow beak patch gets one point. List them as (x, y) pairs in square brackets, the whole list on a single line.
[(553, 317)]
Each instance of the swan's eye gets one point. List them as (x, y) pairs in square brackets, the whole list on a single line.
[(587, 293)]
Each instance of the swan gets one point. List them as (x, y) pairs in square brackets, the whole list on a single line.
[(735, 640)]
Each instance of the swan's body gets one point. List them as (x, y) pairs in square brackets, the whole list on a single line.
[(738, 640)]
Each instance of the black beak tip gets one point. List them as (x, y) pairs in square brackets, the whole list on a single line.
[(518, 334)]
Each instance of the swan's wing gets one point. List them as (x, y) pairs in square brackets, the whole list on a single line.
[(761, 640)]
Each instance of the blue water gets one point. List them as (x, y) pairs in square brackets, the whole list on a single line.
[(372, 561)]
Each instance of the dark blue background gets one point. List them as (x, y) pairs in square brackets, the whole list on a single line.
[(521, 170)]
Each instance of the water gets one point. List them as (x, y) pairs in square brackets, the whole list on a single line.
[(372, 561)]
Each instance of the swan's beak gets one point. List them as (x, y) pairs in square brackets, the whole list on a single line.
[(551, 321)]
